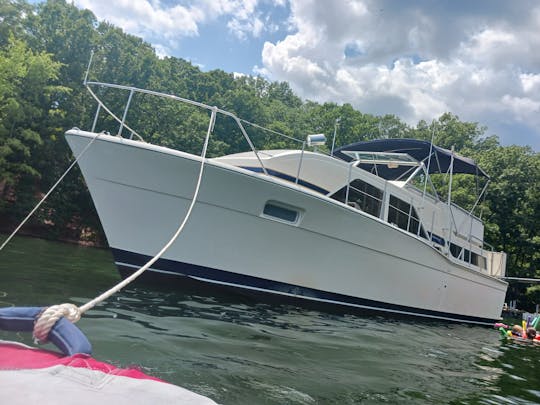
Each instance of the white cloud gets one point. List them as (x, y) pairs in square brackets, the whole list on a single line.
[(414, 59), (143, 17), (242, 28), (165, 24), (530, 83), (523, 107)]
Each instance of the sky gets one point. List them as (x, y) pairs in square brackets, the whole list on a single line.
[(416, 59)]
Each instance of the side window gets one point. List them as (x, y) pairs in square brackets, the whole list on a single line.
[(404, 216), (468, 256), (459, 252), (363, 196), (280, 212), (478, 260)]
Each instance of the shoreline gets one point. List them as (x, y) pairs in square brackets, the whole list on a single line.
[(40, 233)]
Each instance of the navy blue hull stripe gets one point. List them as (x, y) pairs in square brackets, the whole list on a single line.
[(284, 176), (130, 262)]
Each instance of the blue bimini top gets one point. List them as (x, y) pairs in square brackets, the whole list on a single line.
[(417, 149)]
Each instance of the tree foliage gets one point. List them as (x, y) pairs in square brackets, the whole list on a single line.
[(27, 110)]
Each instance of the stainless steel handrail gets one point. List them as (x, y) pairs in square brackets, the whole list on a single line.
[(132, 90)]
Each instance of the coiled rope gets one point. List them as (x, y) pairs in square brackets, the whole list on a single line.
[(46, 320)]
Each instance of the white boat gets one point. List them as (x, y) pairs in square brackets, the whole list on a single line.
[(354, 228)]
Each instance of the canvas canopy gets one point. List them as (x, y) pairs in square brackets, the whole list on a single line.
[(419, 150)]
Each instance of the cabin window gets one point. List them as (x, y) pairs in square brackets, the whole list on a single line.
[(460, 252), (437, 239), (478, 260), (404, 216), (280, 212), (467, 256), (363, 196)]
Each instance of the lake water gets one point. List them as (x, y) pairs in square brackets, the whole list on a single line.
[(239, 351)]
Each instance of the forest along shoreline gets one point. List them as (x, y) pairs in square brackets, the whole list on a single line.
[(34, 231)]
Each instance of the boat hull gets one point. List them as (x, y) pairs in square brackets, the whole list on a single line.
[(332, 254)]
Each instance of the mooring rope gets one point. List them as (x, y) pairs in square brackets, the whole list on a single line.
[(49, 192), (52, 314)]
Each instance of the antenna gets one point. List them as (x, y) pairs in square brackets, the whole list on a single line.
[(334, 138)]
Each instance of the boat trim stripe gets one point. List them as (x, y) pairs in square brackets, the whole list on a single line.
[(287, 177), (130, 261)]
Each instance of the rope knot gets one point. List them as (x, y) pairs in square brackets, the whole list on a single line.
[(48, 318)]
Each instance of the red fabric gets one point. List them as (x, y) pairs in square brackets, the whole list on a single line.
[(15, 357)]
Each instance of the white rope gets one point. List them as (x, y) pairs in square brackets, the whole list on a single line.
[(49, 317), (48, 193)]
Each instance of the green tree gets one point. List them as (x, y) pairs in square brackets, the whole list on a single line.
[(27, 102), (513, 206), (12, 17), (448, 131)]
